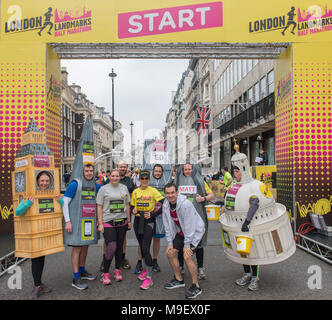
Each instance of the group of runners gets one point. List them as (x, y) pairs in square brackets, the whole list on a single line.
[(180, 206)]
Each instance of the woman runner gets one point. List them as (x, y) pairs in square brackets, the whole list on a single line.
[(146, 204), (113, 218)]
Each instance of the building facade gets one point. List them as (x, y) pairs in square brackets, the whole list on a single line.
[(240, 95)]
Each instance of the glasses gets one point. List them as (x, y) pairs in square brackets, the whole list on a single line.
[(144, 178)]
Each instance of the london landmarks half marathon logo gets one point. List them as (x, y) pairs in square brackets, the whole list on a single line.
[(300, 22), (56, 22)]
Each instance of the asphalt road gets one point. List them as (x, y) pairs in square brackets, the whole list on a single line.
[(287, 280)]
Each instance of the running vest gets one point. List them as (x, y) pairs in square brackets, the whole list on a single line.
[(82, 208), (189, 187)]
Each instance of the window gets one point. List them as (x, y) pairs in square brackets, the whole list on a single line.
[(270, 82), (225, 84), (231, 77), (221, 88), (263, 87), (239, 70), (254, 62), (244, 68), (256, 92), (249, 65), (235, 81), (250, 97)]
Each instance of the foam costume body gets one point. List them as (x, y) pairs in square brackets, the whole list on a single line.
[(190, 186), (269, 229), (37, 224), (165, 148), (82, 207)]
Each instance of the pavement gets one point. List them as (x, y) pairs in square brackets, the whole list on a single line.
[(288, 280)]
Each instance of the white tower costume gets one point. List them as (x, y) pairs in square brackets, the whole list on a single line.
[(270, 228)]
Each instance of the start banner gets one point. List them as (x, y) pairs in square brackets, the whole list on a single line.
[(110, 21)]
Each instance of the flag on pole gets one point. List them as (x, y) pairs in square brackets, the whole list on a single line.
[(203, 119)]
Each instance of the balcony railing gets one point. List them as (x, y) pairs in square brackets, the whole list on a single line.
[(262, 108)]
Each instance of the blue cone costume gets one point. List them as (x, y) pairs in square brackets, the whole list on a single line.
[(82, 208)]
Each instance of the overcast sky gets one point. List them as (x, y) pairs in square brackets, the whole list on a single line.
[(143, 89)]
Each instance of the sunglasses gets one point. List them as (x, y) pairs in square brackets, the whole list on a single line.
[(144, 178)]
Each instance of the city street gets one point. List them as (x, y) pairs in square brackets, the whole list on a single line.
[(289, 280)]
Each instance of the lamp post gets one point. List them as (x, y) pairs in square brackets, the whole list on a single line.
[(112, 75), (131, 146)]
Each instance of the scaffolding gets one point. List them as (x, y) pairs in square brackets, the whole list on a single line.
[(8, 261), (317, 245)]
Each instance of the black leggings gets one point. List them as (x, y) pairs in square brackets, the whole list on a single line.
[(251, 269), (114, 238), (37, 266), (145, 240), (199, 257)]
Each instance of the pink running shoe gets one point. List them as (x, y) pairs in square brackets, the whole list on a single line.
[(142, 276), (106, 279), (147, 284), (117, 275)]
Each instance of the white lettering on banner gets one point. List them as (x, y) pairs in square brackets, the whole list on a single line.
[(134, 23), (188, 189), (21, 163)]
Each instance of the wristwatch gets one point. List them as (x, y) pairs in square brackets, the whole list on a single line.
[(192, 247)]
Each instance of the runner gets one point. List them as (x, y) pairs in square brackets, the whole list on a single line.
[(184, 230), (158, 182), (250, 276), (73, 235), (146, 204), (113, 219), (37, 264), (191, 183)]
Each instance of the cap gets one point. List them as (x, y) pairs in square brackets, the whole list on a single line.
[(145, 173)]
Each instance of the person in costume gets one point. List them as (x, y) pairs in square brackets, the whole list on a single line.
[(184, 229), (146, 204), (255, 229), (250, 276), (191, 183), (113, 219), (79, 251), (37, 264), (79, 207)]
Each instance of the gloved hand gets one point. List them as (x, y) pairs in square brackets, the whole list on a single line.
[(245, 226)]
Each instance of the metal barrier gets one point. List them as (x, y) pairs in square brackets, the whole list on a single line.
[(8, 261)]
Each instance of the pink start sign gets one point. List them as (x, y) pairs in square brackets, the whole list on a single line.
[(170, 20)]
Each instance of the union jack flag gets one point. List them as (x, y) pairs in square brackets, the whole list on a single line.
[(203, 119)]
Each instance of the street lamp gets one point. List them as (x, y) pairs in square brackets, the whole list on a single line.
[(131, 147), (112, 75)]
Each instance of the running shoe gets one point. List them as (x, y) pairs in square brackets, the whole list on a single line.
[(193, 292), (244, 280), (45, 288), (253, 286), (147, 284), (125, 264), (138, 268), (201, 274), (36, 293), (87, 276), (78, 284), (174, 283), (156, 267), (142, 276), (106, 279), (117, 275)]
